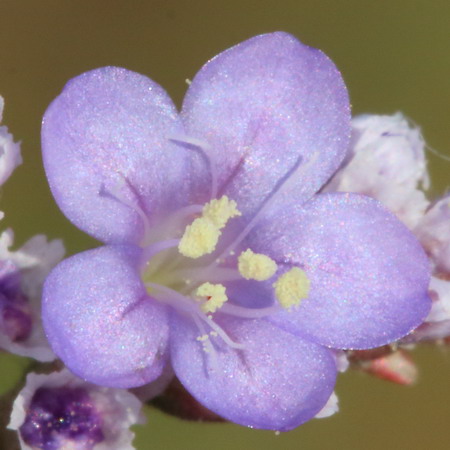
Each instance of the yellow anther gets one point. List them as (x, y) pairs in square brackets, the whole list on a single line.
[(220, 211), (214, 294), (292, 287), (199, 238), (256, 266)]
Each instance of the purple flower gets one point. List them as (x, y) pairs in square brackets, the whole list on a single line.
[(219, 258), (58, 411)]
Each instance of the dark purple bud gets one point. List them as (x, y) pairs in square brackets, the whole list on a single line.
[(15, 314), (16, 322)]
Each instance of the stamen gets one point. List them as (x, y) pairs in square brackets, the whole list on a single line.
[(256, 266), (221, 333), (205, 150), (200, 238), (249, 313), (173, 298), (115, 194), (186, 211), (220, 211), (215, 296), (220, 275), (179, 301), (292, 287), (204, 339), (296, 170), (150, 251)]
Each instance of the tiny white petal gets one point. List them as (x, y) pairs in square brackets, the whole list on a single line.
[(440, 292), (330, 408), (10, 156), (433, 231), (342, 362)]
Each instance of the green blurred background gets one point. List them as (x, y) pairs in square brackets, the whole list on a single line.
[(393, 54)]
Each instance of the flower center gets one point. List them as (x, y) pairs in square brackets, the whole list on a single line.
[(179, 273), (181, 270)]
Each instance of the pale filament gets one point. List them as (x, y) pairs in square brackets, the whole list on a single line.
[(152, 250), (119, 197), (207, 345), (175, 299), (213, 272), (249, 313), (205, 150), (280, 187), (221, 274)]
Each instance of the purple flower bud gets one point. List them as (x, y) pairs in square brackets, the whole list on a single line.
[(56, 415), (15, 312), (59, 411), (16, 321)]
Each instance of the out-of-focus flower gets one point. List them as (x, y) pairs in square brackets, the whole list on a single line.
[(386, 161), (60, 411), (10, 156), (433, 232), (22, 274), (215, 240), (396, 366), (437, 324)]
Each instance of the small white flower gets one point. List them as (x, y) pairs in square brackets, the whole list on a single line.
[(10, 156), (433, 232), (440, 293), (330, 408), (71, 414), (437, 325), (342, 362), (386, 161)]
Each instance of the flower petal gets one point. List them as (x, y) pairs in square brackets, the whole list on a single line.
[(263, 104), (100, 321), (369, 275), (105, 144), (277, 382)]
